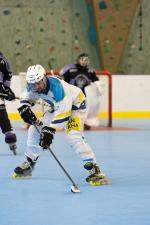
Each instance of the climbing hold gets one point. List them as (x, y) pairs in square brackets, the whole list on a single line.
[(18, 42), (7, 12), (41, 29), (102, 5)]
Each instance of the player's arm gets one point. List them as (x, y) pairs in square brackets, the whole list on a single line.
[(65, 75), (65, 72), (28, 99), (5, 78), (57, 122), (92, 75)]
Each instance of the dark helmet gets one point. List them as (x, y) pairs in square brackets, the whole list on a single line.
[(82, 55)]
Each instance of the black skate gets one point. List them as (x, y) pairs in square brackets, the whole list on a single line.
[(96, 177), (24, 170)]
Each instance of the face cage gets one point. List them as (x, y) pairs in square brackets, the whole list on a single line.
[(84, 61), (31, 87)]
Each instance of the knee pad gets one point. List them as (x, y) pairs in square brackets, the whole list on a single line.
[(4, 120), (74, 139), (10, 138), (78, 142)]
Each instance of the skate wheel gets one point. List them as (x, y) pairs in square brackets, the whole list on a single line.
[(15, 176), (99, 182)]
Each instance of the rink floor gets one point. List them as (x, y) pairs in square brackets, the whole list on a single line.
[(45, 199)]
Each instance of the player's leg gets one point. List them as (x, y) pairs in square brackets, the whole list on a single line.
[(32, 154), (33, 149), (7, 130), (77, 141)]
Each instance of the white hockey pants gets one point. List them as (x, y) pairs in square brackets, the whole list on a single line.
[(74, 134)]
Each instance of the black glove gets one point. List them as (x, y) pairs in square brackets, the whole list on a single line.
[(27, 115), (46, 137), (6, 93)]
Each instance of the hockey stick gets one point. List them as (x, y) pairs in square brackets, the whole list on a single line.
[(39, 103), (74, 187), (3, 94), (50, 67), (18, 98)]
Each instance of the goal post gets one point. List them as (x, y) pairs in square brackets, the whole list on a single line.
[(106, 98)]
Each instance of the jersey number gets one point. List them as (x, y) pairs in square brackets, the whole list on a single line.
[(73, 124)]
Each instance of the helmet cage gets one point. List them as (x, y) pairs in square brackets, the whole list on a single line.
[(35, 74), (83, 60)]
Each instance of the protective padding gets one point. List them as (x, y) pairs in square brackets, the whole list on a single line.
[(35, 74), (4, 120), (77, 141), (10, 138)]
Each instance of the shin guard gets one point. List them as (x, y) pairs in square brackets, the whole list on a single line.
[(4, 120)]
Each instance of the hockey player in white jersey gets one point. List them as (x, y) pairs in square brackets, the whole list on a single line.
[(68, 112)]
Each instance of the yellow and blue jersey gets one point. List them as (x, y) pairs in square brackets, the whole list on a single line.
[(63, 96)]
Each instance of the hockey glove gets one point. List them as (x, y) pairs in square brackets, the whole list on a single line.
[(27, 115), (6, 92), (46, 137)]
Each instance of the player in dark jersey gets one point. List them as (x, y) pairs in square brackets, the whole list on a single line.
[(6, 94)]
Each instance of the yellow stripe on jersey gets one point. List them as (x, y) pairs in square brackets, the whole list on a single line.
[(62, 115), (80, 98)]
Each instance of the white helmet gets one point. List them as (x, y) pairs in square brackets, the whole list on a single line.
[(35, 73)]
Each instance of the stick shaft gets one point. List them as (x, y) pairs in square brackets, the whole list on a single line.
[(59, 163), (39, 103)]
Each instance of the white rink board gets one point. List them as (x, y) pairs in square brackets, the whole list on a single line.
[(130, 93)]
